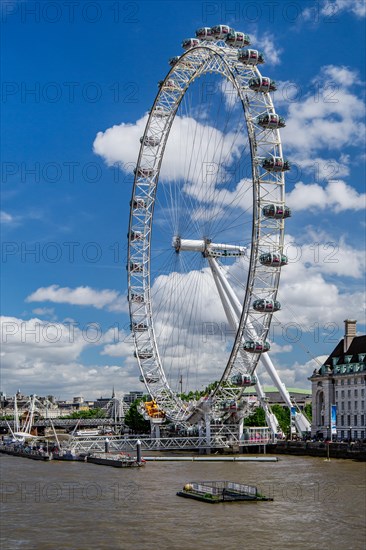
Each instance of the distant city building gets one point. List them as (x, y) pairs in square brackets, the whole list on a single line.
[(132, 396), (340, 383), (300, 397)]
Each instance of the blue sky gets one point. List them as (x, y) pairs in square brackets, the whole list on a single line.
[(70, 72)]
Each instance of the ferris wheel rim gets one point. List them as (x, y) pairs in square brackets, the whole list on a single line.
[(180, 409)]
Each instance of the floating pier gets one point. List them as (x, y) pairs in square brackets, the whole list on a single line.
[(212, 458)]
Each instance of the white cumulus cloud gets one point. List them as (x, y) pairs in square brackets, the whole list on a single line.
[(81, 296), (335, 195)]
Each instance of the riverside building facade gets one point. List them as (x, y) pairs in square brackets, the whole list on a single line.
[(339, 385)]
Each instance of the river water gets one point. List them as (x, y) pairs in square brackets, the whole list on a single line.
[(318, 505)]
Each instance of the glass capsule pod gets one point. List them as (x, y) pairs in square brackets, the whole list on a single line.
[(250, 57), (159, 111), (137, 298), (219, 32), (276, 164), (266, 306), (143, 354), (138, 327), (254, 346), (144, 172), (152, 141), (139, 203), (169, 84), (174, 60), (244, 380), (273, 259), (150, 378), (136, 236), (262, 84), (271, 121), (276, 211), (204, 33), (190, 43), (135, 268), (237, 39)]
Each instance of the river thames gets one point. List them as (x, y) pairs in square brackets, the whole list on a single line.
[(77, 506)]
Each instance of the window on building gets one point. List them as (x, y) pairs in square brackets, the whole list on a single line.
[(342, 382), (342, 394), (355, 434), (355, 381), (348, 382), (362, 419), (363, 392), (362, 405), (355, 420), (342, 419), (348, 419), (336, 394), (362, 434), (356, 393), (342, 406), (349, 405), (342, 434), (356, 405), (349, 393)]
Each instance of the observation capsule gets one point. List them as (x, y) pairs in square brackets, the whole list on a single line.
[(137, 298), (136, 236), (220, 32), (273, 259), (169, 84), (262, 84), (144, 172), (150, 378), (190, 43), (143, 354), (276, 164), (250, 57), (271, 121), (138, 327), (204, 33), (244, 380), (160, 112), (237, 39), (152, 141), (254, 346), (174, 60), (266, 306), (135, 267), (139, 203), (275, 211)]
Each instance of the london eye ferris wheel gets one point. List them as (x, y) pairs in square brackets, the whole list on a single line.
[(206, 230)]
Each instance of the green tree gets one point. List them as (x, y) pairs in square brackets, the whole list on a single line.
[(91, 413), (258, 418), (308, 410), (283, 416), (135, 421)]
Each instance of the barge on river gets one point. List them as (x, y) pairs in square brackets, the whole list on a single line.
[(221, 491), (117, 460)]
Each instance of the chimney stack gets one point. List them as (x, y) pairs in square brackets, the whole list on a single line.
[(349, 333)]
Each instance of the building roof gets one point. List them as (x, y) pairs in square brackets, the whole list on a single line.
[(350, 362), (273, 389)]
